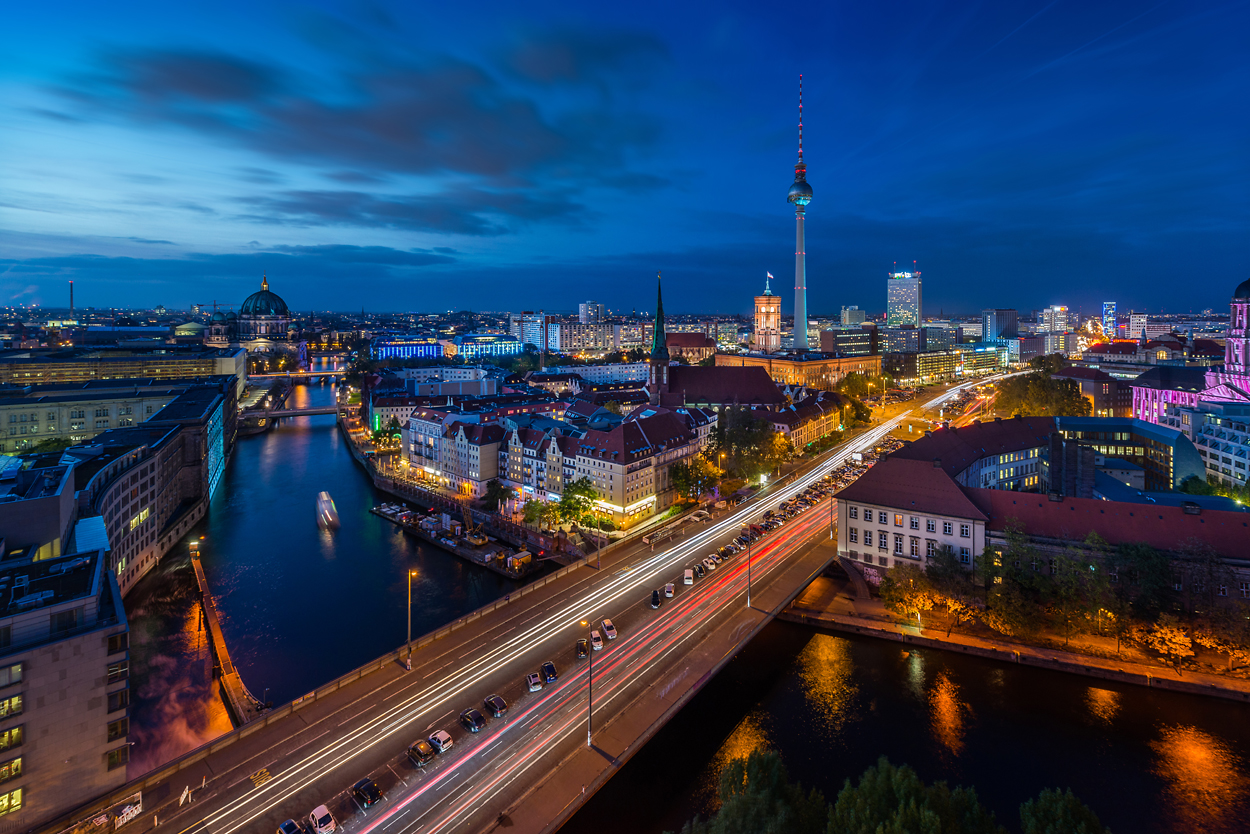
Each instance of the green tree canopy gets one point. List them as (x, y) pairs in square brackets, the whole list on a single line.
[(578, 499), (1040, 395), (1058, 812), (893, 800)]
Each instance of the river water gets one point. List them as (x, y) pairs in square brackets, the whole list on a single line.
[(300, 607)]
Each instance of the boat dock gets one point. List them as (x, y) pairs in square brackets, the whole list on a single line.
[(492, 555), (243, 707)]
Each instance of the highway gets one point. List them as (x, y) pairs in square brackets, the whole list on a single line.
[(313, 757)]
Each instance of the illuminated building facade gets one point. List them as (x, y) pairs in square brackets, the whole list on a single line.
[(767, 321), (903, 299)]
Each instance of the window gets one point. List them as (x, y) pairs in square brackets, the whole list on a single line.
[(119, 757), (947, 528), (883, 561), (883, 540), (10, 674), (64, 621), (965, 530), (852, 512), (883, 517), (11, 737), (119, 671), (930, 526), (11, 706), (965, 555), (898, 519), (11, 769), (11, 801), (119, 700), (914, 547), (930, 548), (898, 544), (914, 523), (1223, 591), (119, 729), (852, 535), (119, 642)]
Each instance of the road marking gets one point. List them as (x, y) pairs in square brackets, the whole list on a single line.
[(260, 777)]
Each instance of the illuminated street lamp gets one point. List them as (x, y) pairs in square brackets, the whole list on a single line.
[(408, 662)]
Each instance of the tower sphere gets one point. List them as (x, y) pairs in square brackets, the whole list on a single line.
[(800, 193)]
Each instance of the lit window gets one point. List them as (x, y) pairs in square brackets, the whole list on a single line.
[(11, 801)]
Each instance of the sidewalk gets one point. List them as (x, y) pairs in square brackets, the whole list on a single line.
[(824, 605)]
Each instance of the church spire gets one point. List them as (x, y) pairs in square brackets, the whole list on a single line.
[(659, 345), (264, 282)]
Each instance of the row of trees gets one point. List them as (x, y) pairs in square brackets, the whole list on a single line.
[(1128, 592), (576, 504), (1040, 395), (757, 797)]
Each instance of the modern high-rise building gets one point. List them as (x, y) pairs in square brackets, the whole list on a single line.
[(902, 296), (767, 321), (1108, 319), (800, 195), (590, 312), (997, 325), (530, 328), (1055, 319), (852, 315)]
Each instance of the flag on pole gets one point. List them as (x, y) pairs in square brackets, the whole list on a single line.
[(769, 274)]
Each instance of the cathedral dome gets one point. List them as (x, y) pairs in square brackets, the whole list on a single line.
[(264, 303), (1242, 293), (218, 316)]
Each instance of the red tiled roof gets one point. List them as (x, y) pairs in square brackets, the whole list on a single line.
[(1084, 373), (636, 439), (723, 385), (960, 448), (688, 340), (1123, 348), (911, 485), (1072, 519)]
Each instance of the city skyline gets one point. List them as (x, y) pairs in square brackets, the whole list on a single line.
[(1072, 149)]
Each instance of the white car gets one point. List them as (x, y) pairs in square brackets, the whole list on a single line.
[(687, 577), (596, 641), (668, 590), (609, 629), (709, 564), (441, 741), (321, 821)]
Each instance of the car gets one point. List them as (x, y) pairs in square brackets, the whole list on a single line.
[(687, 577), (596, 640), (700, 515), (583, 648), (715, 559), (366, 792), (321, 821), (472, 720), (709, 565), (655, 599), (699, 571), (669, 590), (548, 670), (441, 741), (496, 706), (290, 827), (533, 682), (420, 753), (609, 630)]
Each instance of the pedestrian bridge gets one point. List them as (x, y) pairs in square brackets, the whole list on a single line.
[(304, 412)]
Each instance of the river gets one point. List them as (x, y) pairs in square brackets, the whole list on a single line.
[(300, 607)]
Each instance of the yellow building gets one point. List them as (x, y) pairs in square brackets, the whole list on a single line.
[(767, 321), (814, 370)]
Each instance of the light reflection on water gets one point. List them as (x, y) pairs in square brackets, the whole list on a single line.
[(1103, 703), (948, 713), (825, 667), (1206, 781)]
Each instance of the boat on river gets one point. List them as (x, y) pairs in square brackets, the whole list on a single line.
[(327, 513)]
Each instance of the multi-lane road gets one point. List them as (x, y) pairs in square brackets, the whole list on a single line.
[(314, 756)]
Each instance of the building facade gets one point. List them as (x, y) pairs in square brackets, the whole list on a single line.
[(767, 335), (819, 371), (903, 299)]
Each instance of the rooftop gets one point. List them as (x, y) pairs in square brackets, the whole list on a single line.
[(959, 448), (28, 585), (915, 485)]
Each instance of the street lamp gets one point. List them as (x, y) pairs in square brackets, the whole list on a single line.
[(408, 662), (748, 567)]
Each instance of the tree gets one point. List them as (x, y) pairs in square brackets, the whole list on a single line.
[(1051, 363), (1168, 638), (695, 477), (861, 415), (613, 406), (1058, 812), (905, 590), (496, 493), (578, 499), (540, 513), (1144, 576), (1226, 632), (778, 451), (1040, 395), (953, 586), (1069, 592), (894, 800)]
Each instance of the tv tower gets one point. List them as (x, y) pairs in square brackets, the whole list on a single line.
[(800, 195)]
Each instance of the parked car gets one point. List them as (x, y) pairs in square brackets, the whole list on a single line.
[(583, 648), (548, 670), (655, 599), (596, 640), (420, 753), (533, 682), (441, 741), (669, 590), (366, 792), (700, 515), (699, 570), (321, 821), (290, 827), (609, 630), (472, 720), (687, 577), (709, 564), (496, 706)]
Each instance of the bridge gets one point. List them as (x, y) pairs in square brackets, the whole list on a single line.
[(303, 412), (531, 769), (303, 375)]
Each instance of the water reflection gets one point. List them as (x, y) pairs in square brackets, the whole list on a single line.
[(826, 668), (1103, 703), (746, 738), (1205, 780), (947, 713)]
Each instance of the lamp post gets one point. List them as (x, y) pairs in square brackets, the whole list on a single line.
[(590, 685), (408, 662), (748, 567)]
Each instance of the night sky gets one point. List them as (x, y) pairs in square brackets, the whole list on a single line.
[(498, 156)]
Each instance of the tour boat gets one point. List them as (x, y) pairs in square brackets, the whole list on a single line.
[(327, 515)]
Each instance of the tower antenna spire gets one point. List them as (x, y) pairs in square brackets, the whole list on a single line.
[(800, 117)]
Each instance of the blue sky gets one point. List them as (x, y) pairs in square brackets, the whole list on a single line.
[(505, 156)]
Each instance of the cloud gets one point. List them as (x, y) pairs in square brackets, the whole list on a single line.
[(573, 56), (148, 240)]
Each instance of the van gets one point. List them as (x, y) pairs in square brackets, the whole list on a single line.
[(687, 577)]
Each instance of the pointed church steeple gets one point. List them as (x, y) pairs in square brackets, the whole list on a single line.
[(264, 282), (658, 383)]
